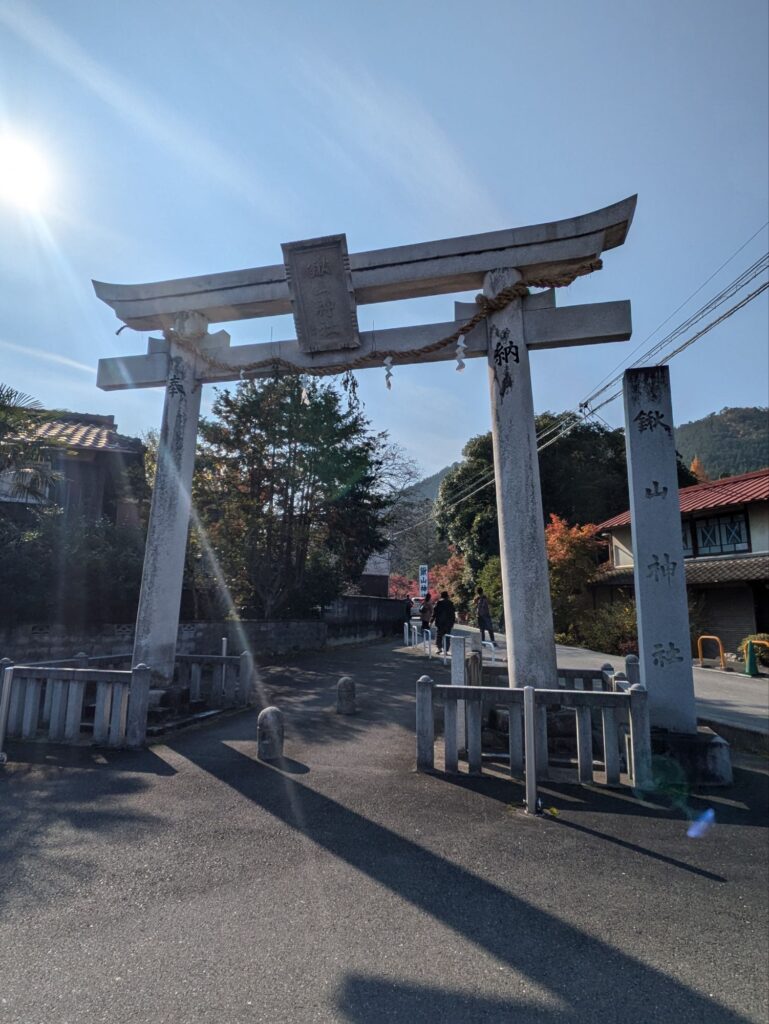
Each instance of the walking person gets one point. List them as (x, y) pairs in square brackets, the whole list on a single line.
[(444, 618), (426, 613), (483, 614)]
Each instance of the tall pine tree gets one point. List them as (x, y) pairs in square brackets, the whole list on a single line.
[(287, 493)]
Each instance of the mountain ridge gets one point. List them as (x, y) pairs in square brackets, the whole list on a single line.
[(727, 443)]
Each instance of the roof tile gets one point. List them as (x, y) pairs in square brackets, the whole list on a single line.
[(84, 436), (732, 490), (699, 571)]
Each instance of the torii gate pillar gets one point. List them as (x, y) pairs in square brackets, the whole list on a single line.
[(525, 584), (157, 620)]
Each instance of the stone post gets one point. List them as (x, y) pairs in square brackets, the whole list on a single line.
[(6, 682), (664, 645), (458, 679), (425, 725), (269, 734), (640, 739), (246, 674), (530, 734), (525, 583), (345, 696), (138, 706), (157, 620)]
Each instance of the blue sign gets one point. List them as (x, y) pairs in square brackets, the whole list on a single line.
[(422, 580)]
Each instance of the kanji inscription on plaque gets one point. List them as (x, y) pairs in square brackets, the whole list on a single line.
[(322, 298)]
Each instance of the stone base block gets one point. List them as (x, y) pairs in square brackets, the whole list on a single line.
[(704, 756)]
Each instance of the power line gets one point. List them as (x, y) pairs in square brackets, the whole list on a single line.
[(686, 301), (741, 281), (696, 337), (610, 378), (568, 421)]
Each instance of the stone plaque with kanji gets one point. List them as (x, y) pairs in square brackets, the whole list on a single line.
[(322, 297)]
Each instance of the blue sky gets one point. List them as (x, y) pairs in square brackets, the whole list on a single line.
[(188, 137)]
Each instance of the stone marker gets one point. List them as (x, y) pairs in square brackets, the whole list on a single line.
[(345, 696), (269, 734), (664, 645), (474, 669)]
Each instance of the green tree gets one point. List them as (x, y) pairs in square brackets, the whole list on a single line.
[(25, 472), (288, 495), (490, 578), (729, 442), (68, 570), (466, 511), (414, 539), (583, 477)]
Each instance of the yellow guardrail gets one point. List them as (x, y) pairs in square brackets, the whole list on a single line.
[(706, 636)]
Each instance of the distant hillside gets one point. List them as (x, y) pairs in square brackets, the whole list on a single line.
[(428, 488), (728, 442)]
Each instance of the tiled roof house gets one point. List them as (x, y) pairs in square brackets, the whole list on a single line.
[(100, 471), (725, 528)]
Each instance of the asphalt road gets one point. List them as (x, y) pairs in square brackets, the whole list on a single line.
[(729, 697), (192, 883)]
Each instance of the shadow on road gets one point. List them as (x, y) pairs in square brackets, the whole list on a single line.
[(60, 810), (582, 972), (366, 1000), (745, 803), (306, 691)]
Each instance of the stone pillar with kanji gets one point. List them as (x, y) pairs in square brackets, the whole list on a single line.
[(664, 643), (525, 582), (157, 618)]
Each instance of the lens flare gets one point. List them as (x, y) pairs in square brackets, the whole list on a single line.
[(702, 824), (25, 176)]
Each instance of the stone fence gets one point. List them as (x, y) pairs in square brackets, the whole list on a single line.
[(620, 704), (67, 704), (347, 620)]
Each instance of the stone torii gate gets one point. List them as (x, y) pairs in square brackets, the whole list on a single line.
[(322, 285)]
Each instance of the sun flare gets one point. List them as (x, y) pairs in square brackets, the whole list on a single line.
[(25, 175)]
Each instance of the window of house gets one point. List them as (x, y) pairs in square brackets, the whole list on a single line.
[(722, 535), (686, 536)]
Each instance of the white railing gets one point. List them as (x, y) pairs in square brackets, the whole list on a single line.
[(223, 681), (527, 709), (427, 642), (488, 643), (52, 700)]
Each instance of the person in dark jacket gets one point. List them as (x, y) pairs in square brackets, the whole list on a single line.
[(426, 612), (483, 611), (444, 617)]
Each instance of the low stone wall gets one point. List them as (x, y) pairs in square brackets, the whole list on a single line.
[(263, 638), (348, 620), (355, 619), (46, 643)]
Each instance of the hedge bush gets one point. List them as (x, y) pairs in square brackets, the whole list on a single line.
[(762, 653)]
